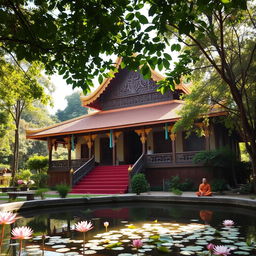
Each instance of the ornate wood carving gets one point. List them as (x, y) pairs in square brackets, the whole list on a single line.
[(159, 159), (129, 88), (185, 157)]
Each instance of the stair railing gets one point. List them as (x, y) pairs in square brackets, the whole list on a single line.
[(83, 171), (138, 167)]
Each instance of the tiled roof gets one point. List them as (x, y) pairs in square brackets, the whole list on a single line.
[(113, 119)]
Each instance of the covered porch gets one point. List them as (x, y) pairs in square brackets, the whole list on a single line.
[(141, 148)]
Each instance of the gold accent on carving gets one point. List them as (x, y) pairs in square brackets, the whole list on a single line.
[(148, 130), (143, 133), (173, 136), (94, 136), (207, 132), (117, 134), (129, 168), (139, 132)]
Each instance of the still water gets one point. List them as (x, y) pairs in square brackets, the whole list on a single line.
[(164, 228)]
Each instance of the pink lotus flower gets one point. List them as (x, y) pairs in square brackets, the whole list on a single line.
[(83, 226), (137, 243), (228, 223), (221, 250), (210, 247), (22, 233), (20, 182), (7, 218)]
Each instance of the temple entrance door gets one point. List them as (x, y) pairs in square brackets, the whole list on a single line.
[(105, 152), (84, 151), (132, 147)]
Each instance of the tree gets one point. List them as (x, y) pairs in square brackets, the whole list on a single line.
[(37, 163), (73, 108), (18, 91), (81, 32)]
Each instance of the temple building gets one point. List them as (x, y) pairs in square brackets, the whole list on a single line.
[(129, 130)]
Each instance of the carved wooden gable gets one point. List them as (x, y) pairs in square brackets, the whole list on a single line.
[(128, 89)]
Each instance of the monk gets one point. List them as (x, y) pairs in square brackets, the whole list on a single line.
[(204, 189)]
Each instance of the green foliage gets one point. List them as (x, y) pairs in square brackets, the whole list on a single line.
[(244, 154), (4, 166), (40, 180), (218, 185), (139, 183), (23, 174), (42, 192), (73, 108), (37, 163), (225, 160), (21, 85), (63, 190), (176, 191), (175, 184), (187, 185)]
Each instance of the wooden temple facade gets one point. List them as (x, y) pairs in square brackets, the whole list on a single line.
[(130, 126)]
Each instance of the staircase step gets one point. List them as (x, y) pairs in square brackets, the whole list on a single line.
[(104, 180), (98, 191)]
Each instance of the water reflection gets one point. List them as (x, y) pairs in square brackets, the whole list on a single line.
[(131, 221), (206, 216)]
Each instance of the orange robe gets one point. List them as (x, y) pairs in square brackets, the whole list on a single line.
[(204, 190)]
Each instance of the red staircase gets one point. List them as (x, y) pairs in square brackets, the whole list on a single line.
[(104, 180)]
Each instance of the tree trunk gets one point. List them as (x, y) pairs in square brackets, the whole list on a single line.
[(15, 155), (18, 111), (253, 161)]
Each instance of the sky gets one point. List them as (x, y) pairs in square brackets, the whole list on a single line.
[(62, 89)]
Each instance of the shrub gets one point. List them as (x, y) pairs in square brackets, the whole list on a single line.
[(40, 180), (175, 183), (176, 191), (187, 185), (63, 190), (218, 185), (37, 163), (41, 192), (139, 183), (23, 174)]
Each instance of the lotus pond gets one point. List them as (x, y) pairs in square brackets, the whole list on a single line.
[(163, 228)]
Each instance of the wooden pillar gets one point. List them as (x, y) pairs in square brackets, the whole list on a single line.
[(89, 145), (90, 142), (50, 151), (143, 133), (114, 153), (68, 142), (173, 138), (207, 137), (114, 141)]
